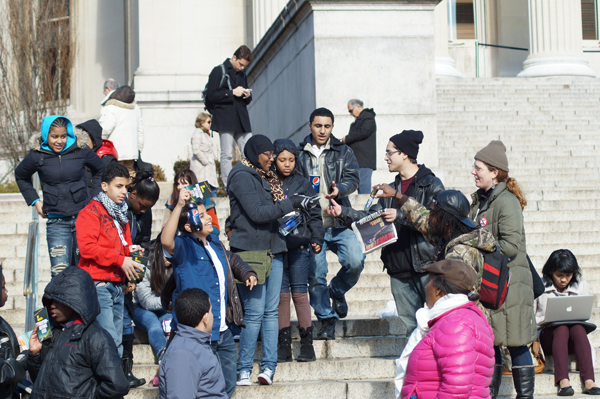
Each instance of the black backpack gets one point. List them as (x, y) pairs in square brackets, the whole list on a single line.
[(495, 279), (208, 105)]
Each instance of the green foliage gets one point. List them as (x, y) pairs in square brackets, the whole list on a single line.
[(9, 187), (159, 173), (180, 164)]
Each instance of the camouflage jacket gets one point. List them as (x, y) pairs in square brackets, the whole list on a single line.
[(464, 248)]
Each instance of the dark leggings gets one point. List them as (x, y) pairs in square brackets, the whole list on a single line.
[(559, 343)]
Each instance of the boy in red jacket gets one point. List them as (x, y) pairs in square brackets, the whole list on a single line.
[(103, 238)]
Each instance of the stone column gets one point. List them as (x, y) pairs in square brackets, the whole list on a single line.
[(444, 64), (555, 40)]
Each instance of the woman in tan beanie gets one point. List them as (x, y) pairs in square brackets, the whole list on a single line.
[(498, 206)]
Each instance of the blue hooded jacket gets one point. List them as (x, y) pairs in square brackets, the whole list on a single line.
[(46, 122), (62, 175)]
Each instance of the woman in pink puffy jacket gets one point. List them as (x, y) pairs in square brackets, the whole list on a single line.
[(451, 353)]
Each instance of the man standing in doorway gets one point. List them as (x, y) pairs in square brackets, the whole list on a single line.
[(227, 96), (334, 172), (362, 138)]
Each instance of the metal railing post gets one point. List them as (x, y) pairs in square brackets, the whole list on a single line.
[(476, 59), (30, 281)]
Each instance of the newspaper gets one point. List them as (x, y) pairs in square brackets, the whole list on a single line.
[(374, 232)]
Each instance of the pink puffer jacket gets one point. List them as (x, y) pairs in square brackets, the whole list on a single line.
[(455, 359)]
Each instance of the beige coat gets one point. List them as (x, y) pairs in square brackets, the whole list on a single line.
[(203, 158)]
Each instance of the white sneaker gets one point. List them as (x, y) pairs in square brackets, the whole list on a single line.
[(243, 379), (266, 377)]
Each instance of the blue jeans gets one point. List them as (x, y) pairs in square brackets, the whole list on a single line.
[(409, 295), (110, 296), (295, 276), (151, 322), (260, 306), (226, 352), (127, 324), (364, 187), (344, 244), (62, 243), (519, 355)]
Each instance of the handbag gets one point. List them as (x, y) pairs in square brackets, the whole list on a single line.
[(260, 261), (536, 354), (538, 285)]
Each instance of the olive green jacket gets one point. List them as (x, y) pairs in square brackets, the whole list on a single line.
[(514, 323)]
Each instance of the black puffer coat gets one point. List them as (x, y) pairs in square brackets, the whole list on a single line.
[(11, 369), (296, 183), (362, 138), (143, 227), (80, 361), (230, 113), (62, 176)]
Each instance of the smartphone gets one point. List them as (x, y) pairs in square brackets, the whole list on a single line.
[(315, 200)]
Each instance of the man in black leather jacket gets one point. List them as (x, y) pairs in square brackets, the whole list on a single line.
[(323, 156), (403, 259)]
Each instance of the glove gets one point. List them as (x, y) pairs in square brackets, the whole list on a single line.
[(301, 201)]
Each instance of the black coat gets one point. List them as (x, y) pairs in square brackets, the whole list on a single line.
[(425, 187), (340, 167), (253, 213), (93, 128), (230, 113), (81, 361), (362, 138), (62, 176), (143, 227), (11, 369)]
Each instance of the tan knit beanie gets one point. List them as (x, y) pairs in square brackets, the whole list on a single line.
[(494, 154)]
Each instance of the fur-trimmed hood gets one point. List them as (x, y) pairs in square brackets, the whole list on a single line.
[(81, 139), (121, 104)]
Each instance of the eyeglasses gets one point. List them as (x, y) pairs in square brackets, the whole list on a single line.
[(351, 110), (477, 169), (390, 153), (271, 155)]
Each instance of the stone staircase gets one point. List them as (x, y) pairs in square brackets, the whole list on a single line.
[(552, 135)]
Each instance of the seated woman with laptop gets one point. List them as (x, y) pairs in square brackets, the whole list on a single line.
[(558, 332)]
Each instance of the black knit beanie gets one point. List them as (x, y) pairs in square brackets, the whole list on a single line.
[(494, 154), (408, 142), (256, 145)]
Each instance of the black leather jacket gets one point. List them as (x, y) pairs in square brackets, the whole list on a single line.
[(427, 185), (80, 361), (340, 166), (11, 369)]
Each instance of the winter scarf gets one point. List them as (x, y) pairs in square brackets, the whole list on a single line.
[(117, 212), (271, 178), (424, 316)]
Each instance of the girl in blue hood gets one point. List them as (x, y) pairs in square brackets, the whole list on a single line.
[(60, 158)]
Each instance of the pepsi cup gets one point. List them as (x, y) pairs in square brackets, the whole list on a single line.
[(193, 216), (316, 182)]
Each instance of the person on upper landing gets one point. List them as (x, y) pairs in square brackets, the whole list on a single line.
[(229, 95), (60, 157), (362, 138)]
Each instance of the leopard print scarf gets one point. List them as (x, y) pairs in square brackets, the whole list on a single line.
[(271, 178)]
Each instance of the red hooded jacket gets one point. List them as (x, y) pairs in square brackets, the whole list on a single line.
[(102, 252)]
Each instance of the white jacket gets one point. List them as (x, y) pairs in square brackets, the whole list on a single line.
[(122, 124), (203, 158)]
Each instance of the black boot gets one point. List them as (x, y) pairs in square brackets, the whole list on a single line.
[(127, 362), (284, 345), (327, 330), (496, 381), (307, 351), (524, 380)]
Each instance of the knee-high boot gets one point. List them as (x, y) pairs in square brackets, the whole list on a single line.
[(127, 362), (524, 380), (496, 381)]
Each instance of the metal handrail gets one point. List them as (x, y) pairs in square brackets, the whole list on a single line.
[(30, 281), (477, 44)]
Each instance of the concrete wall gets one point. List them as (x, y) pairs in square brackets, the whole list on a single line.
[(179, 44), (380, 52)]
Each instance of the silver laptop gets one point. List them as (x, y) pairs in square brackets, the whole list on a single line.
[(569, 308)]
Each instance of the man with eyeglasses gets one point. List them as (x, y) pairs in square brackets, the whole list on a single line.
[(333, 170), (403, 259), (363, 141), (226, 99)]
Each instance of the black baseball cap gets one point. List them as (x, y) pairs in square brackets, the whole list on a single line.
[(455, 203)]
